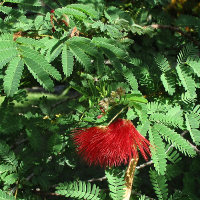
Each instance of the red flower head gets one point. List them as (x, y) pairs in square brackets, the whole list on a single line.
[(111, 145)]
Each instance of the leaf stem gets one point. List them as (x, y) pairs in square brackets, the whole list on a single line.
[(16, 191), (116, 115)]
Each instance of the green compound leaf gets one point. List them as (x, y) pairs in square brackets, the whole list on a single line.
[(39, 59), (71, 11), (158, 152), (81, 56), (186, 80), (67, 61), (175, 139), (168, 83), (192, 123), (8, 51), (159, 185), (13, 76), (116, 184), (195, 65), (39, 74), (87, 9), (5, 196), (79, 190)]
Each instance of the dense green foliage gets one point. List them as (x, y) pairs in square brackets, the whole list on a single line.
[(133, 57)]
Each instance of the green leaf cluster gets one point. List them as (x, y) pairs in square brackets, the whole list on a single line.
[(137, 60)]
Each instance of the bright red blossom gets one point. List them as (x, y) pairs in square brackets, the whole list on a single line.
[(111, 145)]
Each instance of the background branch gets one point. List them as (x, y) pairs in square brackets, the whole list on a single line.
[(175, 29)]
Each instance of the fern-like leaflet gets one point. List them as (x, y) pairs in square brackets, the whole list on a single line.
[(9, 168), (67, 61), (40, 60), (166, 114), (85, 44), (79, 190), (30, 41), (99, 63), (174, 138), (187, 99), (105, 43), (13, 75), (113, 59), (192, 123), (39, 74), (185, 73), (87, 9), (81, 56), (166, 77), (5, 196), (172, 155), (187, 80), (130, 79), (158, 151), (8, 49), (70, 11), (159, 185), (7, 155), (116, 184), (194, 63), (189, 51)]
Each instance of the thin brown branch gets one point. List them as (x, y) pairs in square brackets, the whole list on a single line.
[(171, 146), (29, 177), (48, 194), (175, 29), (116, 115), (97, 179), (17, 143), (193, 146), (144, 164)]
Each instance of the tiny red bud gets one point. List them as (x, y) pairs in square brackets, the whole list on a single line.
[(102, 110), (53, 29), (99, 116), (52, 11)]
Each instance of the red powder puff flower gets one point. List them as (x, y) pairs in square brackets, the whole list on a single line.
[(111, 145)]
